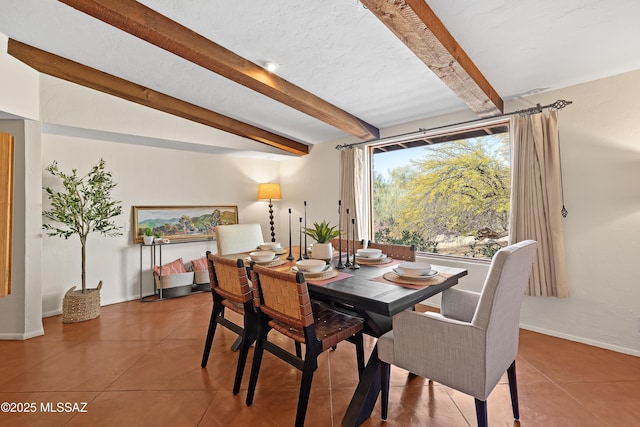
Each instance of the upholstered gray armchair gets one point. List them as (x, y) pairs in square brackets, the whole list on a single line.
[(473, 341)]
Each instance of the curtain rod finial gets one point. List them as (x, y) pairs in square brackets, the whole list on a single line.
[(561, 103)]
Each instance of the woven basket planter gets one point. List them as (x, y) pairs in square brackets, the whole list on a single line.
[(78, 306)]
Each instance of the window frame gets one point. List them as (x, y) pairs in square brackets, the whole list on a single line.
[(438, 135)]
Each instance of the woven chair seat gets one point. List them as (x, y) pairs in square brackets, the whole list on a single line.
[(331, 326)]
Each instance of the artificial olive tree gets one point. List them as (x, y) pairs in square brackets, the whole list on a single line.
[(83, 206)]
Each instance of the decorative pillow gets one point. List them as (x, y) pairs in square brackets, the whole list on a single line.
[(174, 267), (199, 264)]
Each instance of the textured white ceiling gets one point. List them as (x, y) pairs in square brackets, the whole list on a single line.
[(339, 51)]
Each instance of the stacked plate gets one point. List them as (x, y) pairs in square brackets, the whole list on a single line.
[(311, 266), (264, 258), (415, 270), (275, 247), (370, 256), (369, 253), (314, 269)]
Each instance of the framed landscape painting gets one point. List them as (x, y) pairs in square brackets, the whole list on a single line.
[(181, 222)]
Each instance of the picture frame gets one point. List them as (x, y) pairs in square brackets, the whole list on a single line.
[(182, 223)]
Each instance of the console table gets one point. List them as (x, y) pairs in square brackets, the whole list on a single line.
[(156, 254)]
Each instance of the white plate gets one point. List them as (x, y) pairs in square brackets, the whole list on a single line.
[(421, 276), (248, 260), (371, 258), (267, 248)]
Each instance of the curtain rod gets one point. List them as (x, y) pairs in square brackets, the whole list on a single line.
[(558, 105)]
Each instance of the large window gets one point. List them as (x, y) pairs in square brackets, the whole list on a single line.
[(446, 193)]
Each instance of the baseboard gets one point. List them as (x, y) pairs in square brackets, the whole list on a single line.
[(21, 337), (52, 313), (582, 340)]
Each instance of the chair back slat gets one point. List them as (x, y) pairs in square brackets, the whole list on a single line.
[(338, 242), (284, 296), (228, 277), (399, 252)]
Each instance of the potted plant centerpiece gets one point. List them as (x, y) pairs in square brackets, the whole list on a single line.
[(322, 233), (83, 206)]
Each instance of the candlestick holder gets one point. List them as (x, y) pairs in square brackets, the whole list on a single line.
[(306, 255), (354, 265), (348, 263), (300, 247), (290, 257), (340, 264)]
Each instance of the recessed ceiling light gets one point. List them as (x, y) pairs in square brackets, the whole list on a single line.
[(270, 66)]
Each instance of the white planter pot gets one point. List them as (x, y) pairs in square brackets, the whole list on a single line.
[(322, 251), (148, 240)]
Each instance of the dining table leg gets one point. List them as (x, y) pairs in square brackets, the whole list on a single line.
[(366, 394), (236, 344)]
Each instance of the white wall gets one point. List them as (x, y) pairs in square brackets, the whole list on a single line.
[(313, 178), (145, 176), (82, 126), (19, 86), (600, 145)]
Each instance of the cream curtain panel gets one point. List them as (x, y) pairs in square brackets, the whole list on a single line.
[(536, 201), (351, 192)]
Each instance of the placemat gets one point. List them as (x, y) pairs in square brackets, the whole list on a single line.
[(338, 276), (386, 262), (272, 263), (377, 261), (393, 279)]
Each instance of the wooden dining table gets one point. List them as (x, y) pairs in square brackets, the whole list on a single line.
[(366, 293)]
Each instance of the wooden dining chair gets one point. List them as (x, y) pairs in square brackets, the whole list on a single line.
[(230, 290), (470, 344), (283, 305), (399, 252), (338, 243)]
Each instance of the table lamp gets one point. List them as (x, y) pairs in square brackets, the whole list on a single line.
[(270, 192)]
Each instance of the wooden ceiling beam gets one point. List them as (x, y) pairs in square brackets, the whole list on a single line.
[(415, 24), (149, 25), (74, 72)]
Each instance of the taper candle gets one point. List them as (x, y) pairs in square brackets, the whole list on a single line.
[(300, 247), (306, 255), (340, 264)]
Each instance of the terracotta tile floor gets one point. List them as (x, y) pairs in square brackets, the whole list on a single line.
[(138, 364)]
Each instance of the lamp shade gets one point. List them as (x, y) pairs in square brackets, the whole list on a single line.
[(269, 192)]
